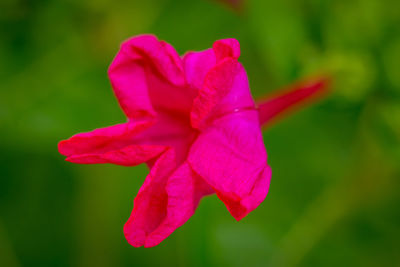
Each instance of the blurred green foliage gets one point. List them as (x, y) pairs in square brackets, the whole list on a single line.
[(334, 194)]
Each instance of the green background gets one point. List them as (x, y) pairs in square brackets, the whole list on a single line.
[(334, 195)]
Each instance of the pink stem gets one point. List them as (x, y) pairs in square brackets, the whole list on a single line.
[(297, 95)]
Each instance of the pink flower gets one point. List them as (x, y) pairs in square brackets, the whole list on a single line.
[(193, 121)]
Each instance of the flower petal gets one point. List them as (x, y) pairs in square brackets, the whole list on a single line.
[(166, 200), (294, 96), (185, 189), (145, 73), (128, 156), (112, 144), (102, 139), (226, 48), (197, 65), (230, 156), (229, 153), (225, 89)]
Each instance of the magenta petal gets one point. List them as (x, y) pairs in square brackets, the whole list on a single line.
[(230, 156), (149, 206), (144, 73), (184, 189), (128, 156), (197, 65), (226, 48), (294, 96), (228, 75), (166, 200), (101, 140), (112, 144), (229, 153), (225, 89)]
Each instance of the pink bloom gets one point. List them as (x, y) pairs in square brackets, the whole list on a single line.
[(193, 121)]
